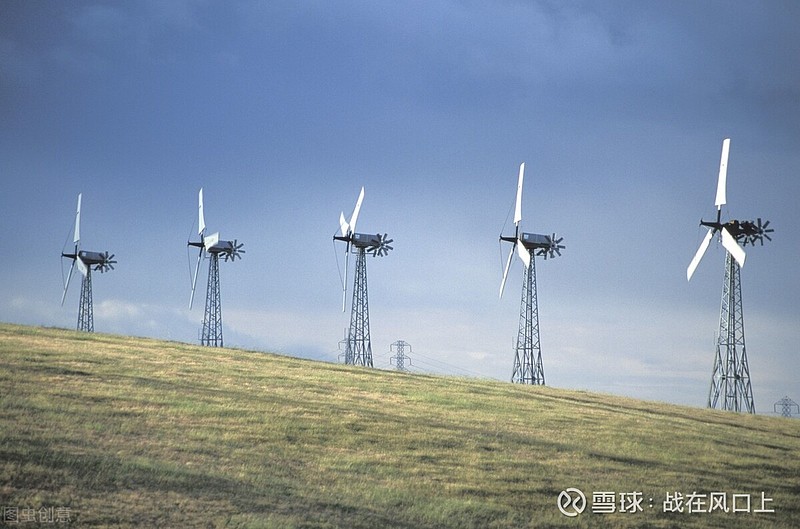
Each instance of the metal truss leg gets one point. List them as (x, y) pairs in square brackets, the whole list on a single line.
[(358, 350), (528, 368), (730, 380), (212, 320), (86, 308)]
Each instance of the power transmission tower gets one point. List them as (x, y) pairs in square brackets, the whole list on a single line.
[(86, 309), (730, 380), (788, 407), (212, 320), (358, 350), (528, 368), (400, 357)]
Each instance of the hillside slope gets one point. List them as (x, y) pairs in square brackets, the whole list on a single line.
[(111, 431)]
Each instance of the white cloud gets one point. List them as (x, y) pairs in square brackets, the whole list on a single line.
[(144, 319)]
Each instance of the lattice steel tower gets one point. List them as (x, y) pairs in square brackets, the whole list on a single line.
[(730, 379), (212, 319), (85, 261), (528, 368), (86, 308), (212, 247), (358, 346), (358, 349), (400, 357)]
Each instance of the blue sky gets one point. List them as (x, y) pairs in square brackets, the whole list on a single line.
[(281, 111)]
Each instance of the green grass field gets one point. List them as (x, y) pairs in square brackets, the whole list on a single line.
[(111, 431)]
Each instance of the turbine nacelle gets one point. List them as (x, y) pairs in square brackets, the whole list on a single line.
[(230, 250), (95, 258), (378, 244), (212, 245), (747, 231), (98, 261)]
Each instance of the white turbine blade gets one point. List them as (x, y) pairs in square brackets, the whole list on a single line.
[(523, 253), (194, 280), (344, 283), (66, 285), (733, 247), (505, 271), (699, 255), (201, 222), (518, 206), (354, 216), (211, 240), (723, 174), (77, 237), (343, 224), (82, 267)]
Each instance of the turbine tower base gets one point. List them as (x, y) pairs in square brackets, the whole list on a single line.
[(528, 367), (730, 380), (212, 320), (86, 308), (358, 350)]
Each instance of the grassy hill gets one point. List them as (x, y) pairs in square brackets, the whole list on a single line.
[(111, 431)]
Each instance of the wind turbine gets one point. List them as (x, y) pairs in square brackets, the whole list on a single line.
[(85, 262), (528, 368), (358, 349), (730, 379), (212, 247)]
